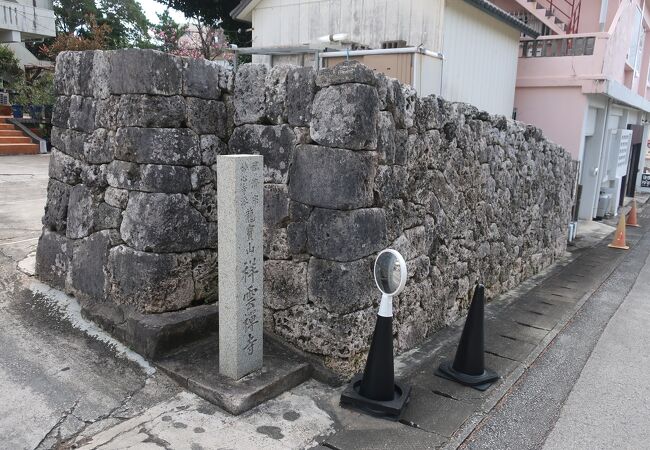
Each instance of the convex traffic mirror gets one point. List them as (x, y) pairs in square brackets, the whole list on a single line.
[(390, 272)]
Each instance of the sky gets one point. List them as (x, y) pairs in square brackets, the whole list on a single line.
[(151, 7)]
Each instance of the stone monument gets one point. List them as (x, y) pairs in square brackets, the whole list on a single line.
[(240, 196)]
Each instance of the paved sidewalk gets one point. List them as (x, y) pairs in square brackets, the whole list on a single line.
[(609, 406)]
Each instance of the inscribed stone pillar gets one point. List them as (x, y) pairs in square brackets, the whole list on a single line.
[(239, 194)]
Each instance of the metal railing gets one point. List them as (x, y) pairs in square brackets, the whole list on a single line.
[(568, 11), (570, 46)]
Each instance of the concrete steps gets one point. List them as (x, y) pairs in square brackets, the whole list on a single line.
[(14, 142), (545, 15)]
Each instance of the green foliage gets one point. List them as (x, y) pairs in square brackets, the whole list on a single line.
[(128, 25), (215, 13), (38, 92), (10, 69)]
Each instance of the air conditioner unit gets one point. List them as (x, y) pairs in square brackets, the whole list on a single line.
[(618, 154)]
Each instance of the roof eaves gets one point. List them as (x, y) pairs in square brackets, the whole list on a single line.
[(498, 13), (239, 8)]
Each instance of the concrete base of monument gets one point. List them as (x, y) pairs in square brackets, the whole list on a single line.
[(196, 368), (153, 335)]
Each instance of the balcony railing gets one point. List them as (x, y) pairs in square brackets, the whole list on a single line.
[(569, 46)]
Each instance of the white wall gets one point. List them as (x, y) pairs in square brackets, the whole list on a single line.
[(30, 22), (369, 22), (481, 56)]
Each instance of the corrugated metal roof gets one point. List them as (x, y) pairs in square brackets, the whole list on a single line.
[(498, 13)]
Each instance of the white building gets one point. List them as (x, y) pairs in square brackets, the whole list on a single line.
[(463, 50), (26, 20)]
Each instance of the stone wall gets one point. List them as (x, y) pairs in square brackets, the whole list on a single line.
[(354, 163)]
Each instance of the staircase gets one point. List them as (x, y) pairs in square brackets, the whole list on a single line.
[(14, 142), (560, 16)]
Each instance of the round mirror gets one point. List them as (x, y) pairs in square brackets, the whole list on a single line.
[(390, 272)]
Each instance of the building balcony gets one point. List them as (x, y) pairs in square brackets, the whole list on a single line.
[(567, 60), (20, 21)]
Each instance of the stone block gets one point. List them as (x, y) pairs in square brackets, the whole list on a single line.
[(345, 72), (87, 213), (98, 147), (56, 206), (64, 168), (87, 270), (207, 116), (151, 282), (346, 116), (150, 111), (115, 197), (275, 94), (297, 237), (342, 287), (177, 146), (200, 176), (172, 225), (275, 143), (61, 112), (93, 176), (428, 115), (249, 95), (315, 330), (386, 138), (276, 205), (81, 114), (285, 284), (301, 87), (67, 64), (211, 147), (205, 275), (70, 142), (276, 244), (53, 258), (332, 178), (136, 71), (106, 111), (149, 177), (346, 235), (202, 78), (204, 200)]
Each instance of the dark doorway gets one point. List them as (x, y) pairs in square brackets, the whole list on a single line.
[(629, 182)]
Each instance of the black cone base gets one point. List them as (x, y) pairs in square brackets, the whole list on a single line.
[(480, 382), (389, 409)]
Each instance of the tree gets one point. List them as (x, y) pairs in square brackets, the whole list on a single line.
[(214, 13), (10, 70), (197, 40), (128, 25), (168, 32), (96, 38)]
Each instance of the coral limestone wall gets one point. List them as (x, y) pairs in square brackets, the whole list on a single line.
[(354, 163)]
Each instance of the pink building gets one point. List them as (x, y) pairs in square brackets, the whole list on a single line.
[(586, 82)]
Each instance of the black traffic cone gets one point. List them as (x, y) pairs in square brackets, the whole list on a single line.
[(468, 367), (376, 391)]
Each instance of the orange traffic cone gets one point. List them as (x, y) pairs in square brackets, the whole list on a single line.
[(619, 236), (631, 217)]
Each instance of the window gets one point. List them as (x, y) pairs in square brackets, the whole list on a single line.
[(638, 33)]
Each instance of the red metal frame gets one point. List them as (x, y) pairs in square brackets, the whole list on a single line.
[(566, 10)]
